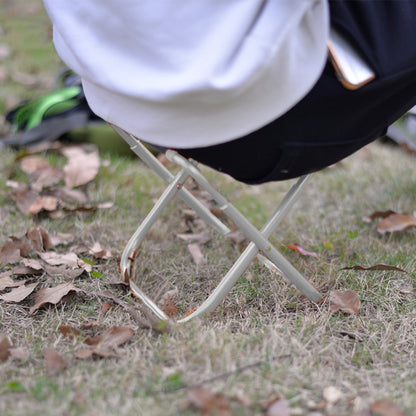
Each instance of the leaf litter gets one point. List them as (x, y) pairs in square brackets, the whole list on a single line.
[(392, 221), (42, 193), (54, 362), (347, 301), (105, 344), (107, 347), (52, 295)]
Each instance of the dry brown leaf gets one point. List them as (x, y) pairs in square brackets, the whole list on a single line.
[(104, 345), (209, 403), (25, 247), (10, 252), (5, 347), (280, 407), (376, 267), (196, 253), (69, 332), (82, 166), (19, 294), (43, 203), (99, 253), (167, 302), (24, 198), (52, 295), (386, 408), (66, 195), (39, 238), (6, 281), (106, 307), (91, 324), (32, 163), (26, 271), (301, 250), (381, 214), (45, 177), (64, 271), (70, 260), (32, 265), (54, 362), (396, 222), (347, 301), (61, 238)]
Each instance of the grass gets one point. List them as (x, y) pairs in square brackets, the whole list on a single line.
[(265, 339)]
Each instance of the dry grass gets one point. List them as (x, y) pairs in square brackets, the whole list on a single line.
[(297, 348), (265, 339)]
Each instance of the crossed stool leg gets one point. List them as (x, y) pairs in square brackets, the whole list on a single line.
[(270, 256)]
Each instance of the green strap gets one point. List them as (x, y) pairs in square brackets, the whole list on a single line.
[(32, 114)]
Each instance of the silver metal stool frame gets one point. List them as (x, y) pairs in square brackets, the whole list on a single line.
[(259, 238)]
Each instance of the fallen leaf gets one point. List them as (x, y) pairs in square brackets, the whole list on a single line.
[(376, 267), (104, 345), (209, 403), (9, 253), (82, 166), (64, 271), (24, 197), (301, 250), (99, 253), (24, 246), (67, 195), (52, 295), (39, 237), (167, 302), (347, 301), (33, 265), (26, 271), (54, 362), (45, 177), (69, 332), (69, 259), (6, 282), (32, 163), (19, 294), (381, 214), (386, 408), (196, 253), (106, 307), (280, 407), (396, 222), (61, 238), (43, 203), (5, 347), (331, 394), (92, 324)]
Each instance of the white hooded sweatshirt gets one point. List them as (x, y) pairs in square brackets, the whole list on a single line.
[(191, 73)]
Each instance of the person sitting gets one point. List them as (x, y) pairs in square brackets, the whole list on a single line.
[(243, 86)]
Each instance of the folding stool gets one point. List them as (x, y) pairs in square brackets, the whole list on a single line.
[(259, 239)]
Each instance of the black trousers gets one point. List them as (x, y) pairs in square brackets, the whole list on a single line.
[(331, 122)]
